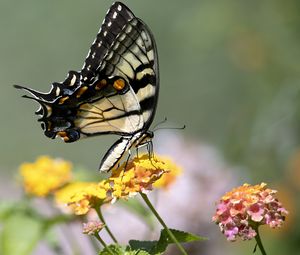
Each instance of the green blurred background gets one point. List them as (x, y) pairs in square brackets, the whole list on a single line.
[(230, 71)]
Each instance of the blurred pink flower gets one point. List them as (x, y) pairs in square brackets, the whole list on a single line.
[(92, 227)]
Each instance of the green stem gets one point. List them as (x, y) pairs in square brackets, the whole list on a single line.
[(258, 241), (147, 201), (103, 243), (100, 215)]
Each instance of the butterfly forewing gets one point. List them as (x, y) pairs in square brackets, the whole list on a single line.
[(116, 18), (134, 57)]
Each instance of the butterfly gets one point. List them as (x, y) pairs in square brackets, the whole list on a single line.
[(115, 92)]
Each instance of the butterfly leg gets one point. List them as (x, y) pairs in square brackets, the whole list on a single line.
[(128, 157), (150, 152), (149, 146)]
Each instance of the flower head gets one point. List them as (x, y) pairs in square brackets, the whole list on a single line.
[(80, 197), (169, 177), (92, 227), (45, 175), (137, 175), (243, 209)]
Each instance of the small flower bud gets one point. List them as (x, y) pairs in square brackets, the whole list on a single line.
[(92, 227)]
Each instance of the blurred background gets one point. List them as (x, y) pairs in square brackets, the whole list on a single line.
[(230, 71)]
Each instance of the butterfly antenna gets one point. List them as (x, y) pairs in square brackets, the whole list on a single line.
[(177, 128), (161, 122)]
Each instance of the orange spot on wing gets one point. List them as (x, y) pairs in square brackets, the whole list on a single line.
[(63, 99), (63, 135), (101, 84), (81, 91), (119, 84)]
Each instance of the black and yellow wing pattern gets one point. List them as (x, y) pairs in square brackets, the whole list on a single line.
[(116, 91)]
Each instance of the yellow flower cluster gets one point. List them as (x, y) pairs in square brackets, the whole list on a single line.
[(45, 175), (137, 175), (80, 197), (53, 176), (170, 176)]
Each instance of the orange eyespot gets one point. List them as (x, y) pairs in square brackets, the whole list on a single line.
[(119, 84), (81, 91), (63, 135), (101, 84), (63, 99), (66, 138)]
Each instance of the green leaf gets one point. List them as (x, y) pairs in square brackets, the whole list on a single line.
[(142, 245), (139, 252), (116, 249), (20, 234), (119, 250), (181, 236), (149, 247), (159, 247)]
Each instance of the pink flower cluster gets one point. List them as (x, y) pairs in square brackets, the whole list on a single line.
[(242, 210), (92, 227)]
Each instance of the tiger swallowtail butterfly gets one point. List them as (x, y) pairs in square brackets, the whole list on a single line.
[(115, 92)]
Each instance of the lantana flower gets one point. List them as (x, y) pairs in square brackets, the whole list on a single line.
[(80, 197), (243, 209), (169, 177), (138, 175), (92, 227), (45, 175)]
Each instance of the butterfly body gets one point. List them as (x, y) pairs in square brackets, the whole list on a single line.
[(116, 91)]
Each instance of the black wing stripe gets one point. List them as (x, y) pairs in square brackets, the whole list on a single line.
[(130, 39), (126, 114), (112, 23), (143, 82), (111, 65), (135, 24), (98, 113), (147, 103), (110, 70)]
